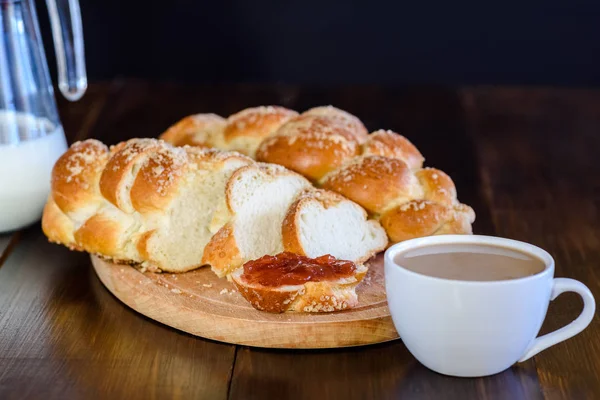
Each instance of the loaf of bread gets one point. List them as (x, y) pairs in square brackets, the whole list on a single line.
[(174, 209), (382, 171)]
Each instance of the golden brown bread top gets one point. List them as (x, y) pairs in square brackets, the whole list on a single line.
[(256, 122), (462, 218), (156, 182), (420, 218), (102, 234), (375, 182), (414, 219), (352, 124), (75, 175), (143, 174), (381, 171), (116, 178), (311, 145), (194, 130), (222, 252), (437, 186), (390, 144), (57, 226)]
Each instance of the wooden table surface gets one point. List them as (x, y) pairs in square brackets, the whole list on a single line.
[(527, 160)]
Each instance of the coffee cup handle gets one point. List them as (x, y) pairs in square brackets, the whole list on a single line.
[(562, 285)]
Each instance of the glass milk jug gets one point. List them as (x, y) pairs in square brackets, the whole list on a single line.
[(31, 135)]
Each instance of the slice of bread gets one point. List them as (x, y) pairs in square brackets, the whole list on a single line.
[(259, 197), (322, 222), (182, 228), (323, 296)]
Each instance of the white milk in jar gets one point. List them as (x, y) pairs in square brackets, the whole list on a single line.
[(25, 167)]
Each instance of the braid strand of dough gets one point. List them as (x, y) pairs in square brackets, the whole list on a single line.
[(382, 171)]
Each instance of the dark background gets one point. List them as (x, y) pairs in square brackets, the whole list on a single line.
[(337, 42)]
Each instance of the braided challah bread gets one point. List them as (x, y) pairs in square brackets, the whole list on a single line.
[(382, 171), (174, 209)]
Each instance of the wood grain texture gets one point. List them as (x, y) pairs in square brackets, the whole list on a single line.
[(386, 371), (8, 242), (63, 335), (200, 303), (5, 239)]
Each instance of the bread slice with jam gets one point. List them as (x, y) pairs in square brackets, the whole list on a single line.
[(291, 282)]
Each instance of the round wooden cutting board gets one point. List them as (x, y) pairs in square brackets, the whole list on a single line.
[(199, 303)]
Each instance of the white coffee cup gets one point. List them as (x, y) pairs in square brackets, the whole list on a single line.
[(477, 328)]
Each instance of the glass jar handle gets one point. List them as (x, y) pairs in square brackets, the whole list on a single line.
[(67, 32)]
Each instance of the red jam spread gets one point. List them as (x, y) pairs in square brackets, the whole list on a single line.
[(292, 269)]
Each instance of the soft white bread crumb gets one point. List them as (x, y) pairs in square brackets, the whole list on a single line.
[(259, 197), (322, 222)]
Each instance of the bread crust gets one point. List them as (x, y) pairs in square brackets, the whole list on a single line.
[(120, 166), (326, 297), (390, 144), (158, 180), (57, 226), (200, 130), (103, 234), (463, 217), (311, 145), (416, 218), (353, 125), (75, 175), (437, 186), (375, 182), (266, 299), (290, 229), (420, 218), (142, 244), (222, 252), (256, 122)]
